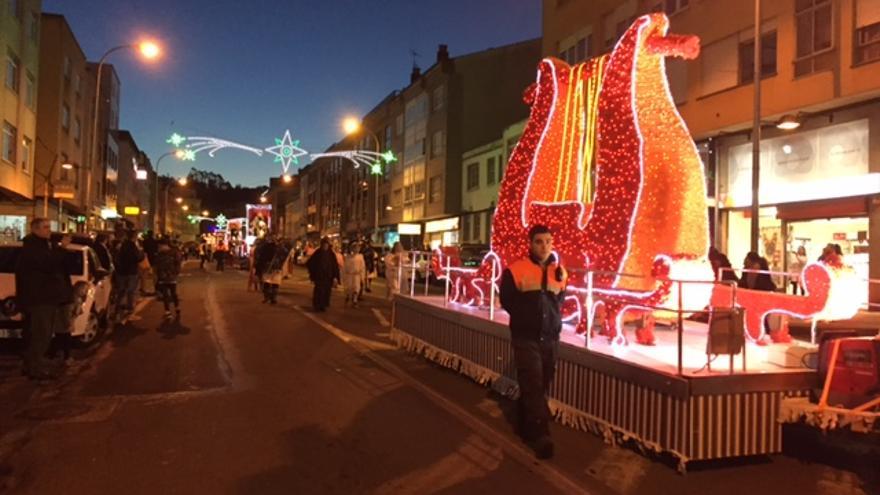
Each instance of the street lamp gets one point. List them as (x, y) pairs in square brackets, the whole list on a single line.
[(205, 213), (178, 199), (287, 179), (352, 126), (180, 155), (148, 50), (182, 181)]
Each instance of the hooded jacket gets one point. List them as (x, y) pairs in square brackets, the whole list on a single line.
[(41, 274)]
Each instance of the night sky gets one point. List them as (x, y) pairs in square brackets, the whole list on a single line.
[(246, 70)]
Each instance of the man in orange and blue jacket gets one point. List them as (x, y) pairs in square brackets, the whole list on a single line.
[(532, 291)]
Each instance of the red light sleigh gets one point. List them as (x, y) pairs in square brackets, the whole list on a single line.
[(645, 211)]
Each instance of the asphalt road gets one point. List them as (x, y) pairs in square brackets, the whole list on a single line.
[(242, 397)]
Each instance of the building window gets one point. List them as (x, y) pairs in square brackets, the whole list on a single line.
[(77, 130), (814, 36), (398, 123), (15, 8), (388, 137), (438, 98), (419, 190), (747, 58), (26, 145), (674, 6), (435, 189), (65, 117), (12, 72), (67, 69), (867, 34), (473, 176), (10, 135), (30, 91), (438, 144), (76, 85), (490, 170), (476, 226), (500, 168), (397, 198), (34, 28)]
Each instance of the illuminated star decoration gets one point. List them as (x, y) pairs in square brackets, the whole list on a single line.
[(366, 158), (188, 155), (389, 157), (176, 140), (376, 168), (286, 150), (221, 221)]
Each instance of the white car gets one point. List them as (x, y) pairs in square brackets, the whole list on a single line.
[(91, 287)]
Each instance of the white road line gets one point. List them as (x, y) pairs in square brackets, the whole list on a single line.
[(382, 320), (514, 449)]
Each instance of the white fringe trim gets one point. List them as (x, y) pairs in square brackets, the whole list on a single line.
[(506, 386), (793, 410)]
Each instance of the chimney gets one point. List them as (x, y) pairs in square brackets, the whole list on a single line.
[(442, 53), (415, 74)]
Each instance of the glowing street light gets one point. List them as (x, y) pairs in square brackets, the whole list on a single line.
[(178, 199), (149, 49), (287, 179), (205, 213), (185, 207), (351, 125), (182, 181), (67, 166), (263, 199)]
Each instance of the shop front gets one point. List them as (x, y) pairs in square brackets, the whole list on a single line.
[(816, 189), (442, 232)]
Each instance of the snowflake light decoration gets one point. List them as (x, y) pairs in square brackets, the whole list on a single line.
[(286, 150)]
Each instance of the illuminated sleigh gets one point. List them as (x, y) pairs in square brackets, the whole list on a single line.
[(648, 213)]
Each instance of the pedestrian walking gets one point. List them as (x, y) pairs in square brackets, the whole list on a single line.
[(203, 254), (369, 255), (798, 262), (353, 274), (128, 263), (323, 272), (220, 256), (168, 261), (273, 271), (532, 291), (395, 279), (44, 293)]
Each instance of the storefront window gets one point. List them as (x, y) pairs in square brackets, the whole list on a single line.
[(12, 228)]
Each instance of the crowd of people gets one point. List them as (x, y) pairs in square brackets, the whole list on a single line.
[(353, 267)]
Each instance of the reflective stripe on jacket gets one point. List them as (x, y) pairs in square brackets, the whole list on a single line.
[(532, 294)]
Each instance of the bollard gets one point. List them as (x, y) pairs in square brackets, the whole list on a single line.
[(680, 331)]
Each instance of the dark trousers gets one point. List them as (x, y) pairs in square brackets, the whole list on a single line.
[(221, 260), (168, 292), (62, 342), (321, 295), (535, 367), (270, 292), (43, 322)]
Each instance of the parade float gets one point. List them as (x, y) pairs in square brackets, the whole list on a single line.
[(607, 162)]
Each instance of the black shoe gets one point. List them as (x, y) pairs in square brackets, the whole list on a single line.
[(543, 448)]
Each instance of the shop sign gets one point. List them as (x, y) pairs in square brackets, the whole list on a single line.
[(108, 213), (409, 229), (442, 225), (132, 210), (820, 164), (63, 191)]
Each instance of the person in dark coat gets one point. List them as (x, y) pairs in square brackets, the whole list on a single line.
[(102, 250), (756, 281), (532, 292), (127, 263), (370, 261), (44, 293), (167, 270), (323, 272)]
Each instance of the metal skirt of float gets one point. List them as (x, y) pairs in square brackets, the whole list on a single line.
[(693, 417)]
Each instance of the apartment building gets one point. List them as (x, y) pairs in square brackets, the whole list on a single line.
[(20, 52), (820, 113)]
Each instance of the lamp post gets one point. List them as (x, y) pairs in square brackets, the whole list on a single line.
[(352, 126), (756, 136), (149, 50), (180, 155)]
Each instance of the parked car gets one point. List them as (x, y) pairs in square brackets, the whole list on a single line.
[(472, 255), (91, 287)]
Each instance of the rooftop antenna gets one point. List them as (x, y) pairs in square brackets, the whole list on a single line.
[(415, 55)]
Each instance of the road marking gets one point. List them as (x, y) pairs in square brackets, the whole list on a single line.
[(382, 320), (514, 449)]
